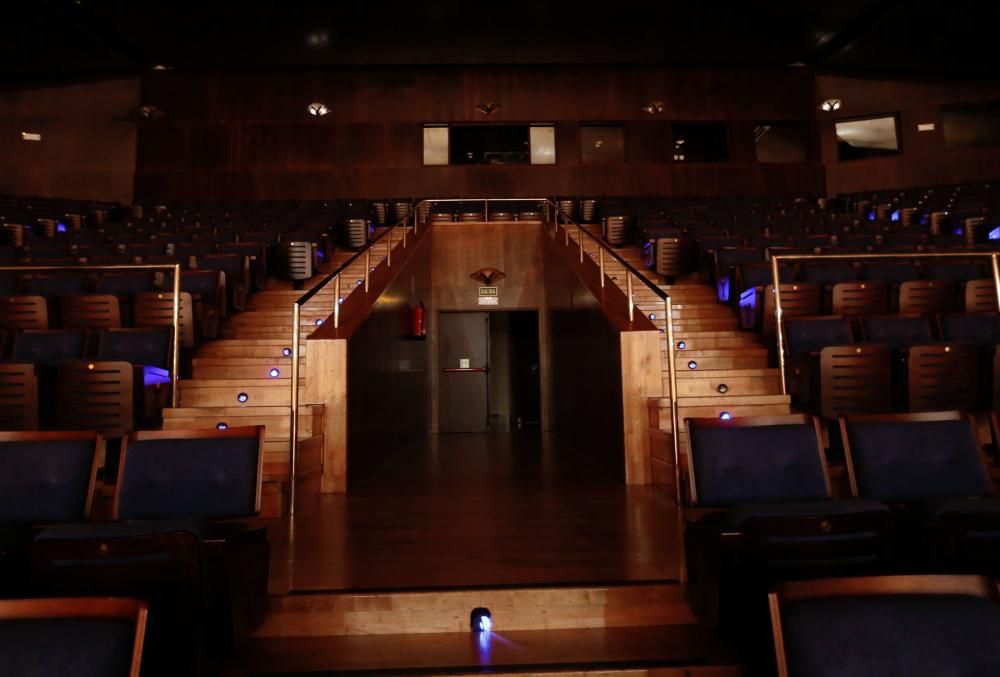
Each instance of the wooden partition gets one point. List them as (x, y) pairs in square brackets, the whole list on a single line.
[(604, 368), (369, 375)]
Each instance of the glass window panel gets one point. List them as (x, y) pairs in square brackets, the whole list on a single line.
[(543, 144), (435, 144), (602, 143), (868, 138)]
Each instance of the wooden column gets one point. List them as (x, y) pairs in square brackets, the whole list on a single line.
[(326, 384)]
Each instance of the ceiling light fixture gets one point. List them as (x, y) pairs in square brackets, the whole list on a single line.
[(318, 109), (831, 105), (488, 108), (653, 107)]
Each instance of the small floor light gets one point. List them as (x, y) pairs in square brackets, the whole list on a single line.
[(287, 352), (222, 425), (242, 397), (725, 416), (274, 373), (481, 620)]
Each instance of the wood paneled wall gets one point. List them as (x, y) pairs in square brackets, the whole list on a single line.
[(924, 159), (88, 141), (585, 404), (387, 375), (460, 249), (247, 135)]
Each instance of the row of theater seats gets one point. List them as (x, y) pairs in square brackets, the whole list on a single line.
[(178, 538), (840, 365), (762, 511), (115, 380)]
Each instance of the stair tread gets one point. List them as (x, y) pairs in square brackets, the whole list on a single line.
[(683, 645)]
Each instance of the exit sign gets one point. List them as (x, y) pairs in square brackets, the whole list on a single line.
[(488, 291), (489, 296)]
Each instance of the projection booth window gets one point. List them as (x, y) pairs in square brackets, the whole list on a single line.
[(867, 138), (602, 143), (781, 141)]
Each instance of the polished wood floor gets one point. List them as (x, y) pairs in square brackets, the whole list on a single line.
[(468, 510)]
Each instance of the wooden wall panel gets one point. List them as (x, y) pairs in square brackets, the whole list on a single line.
[(924, 159), (88, 146), (585, 395), (239, 131), (387, 375)]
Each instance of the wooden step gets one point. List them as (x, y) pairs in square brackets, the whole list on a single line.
[(245, 372), (274, 418), (442, 611), (713, 407), (227, 392), (713, 340), (223, 349), (736, 382), (650, 651), (686, 362)]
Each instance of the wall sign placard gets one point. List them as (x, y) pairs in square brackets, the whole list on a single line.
[(489, 296)]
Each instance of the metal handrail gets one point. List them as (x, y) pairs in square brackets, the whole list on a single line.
[(176, 343), (551, 208), (776, 261)]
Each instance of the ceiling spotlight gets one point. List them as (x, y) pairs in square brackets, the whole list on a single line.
[(149, 112), (653, 107), (318, 39), (488, 108), (831, 105), (162, 67), (318, 109)]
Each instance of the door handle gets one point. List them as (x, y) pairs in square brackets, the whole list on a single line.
[(451, 370)]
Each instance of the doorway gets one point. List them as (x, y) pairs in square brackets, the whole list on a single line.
[(490, 378)]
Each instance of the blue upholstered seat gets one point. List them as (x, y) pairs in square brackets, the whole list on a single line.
[(811, 335), (740, 514), (892, 636), (137, 346), (756, 464), (49, 347), (212, 477), (956, 507), (896, 332), (67, 647), (45, 481), (195, 526), (978, 329), (909, 461)]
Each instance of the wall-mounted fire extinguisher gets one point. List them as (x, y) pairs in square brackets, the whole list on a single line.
[(418, 320)]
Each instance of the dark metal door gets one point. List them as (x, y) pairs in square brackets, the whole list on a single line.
[(463, 351)]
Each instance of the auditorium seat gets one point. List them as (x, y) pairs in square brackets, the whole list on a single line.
[(179, 540), (760, 510), (930, 467), (891, 626), (27, 380), (82, 637), (46, 478)]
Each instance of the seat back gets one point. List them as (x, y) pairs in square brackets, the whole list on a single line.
[(896, 331), (90, 311), (913, 457), (829, 273), (149, 347), (19, 396), (859, 298), (855, 379), (980, 296), (95, 396), (759, 459), (80, 636), (893, 625), (797, 299), (214, 474), (57, 285), (47, 477), (23, 312), (943, 377), (125, 284), (156, 309), (925, 297)]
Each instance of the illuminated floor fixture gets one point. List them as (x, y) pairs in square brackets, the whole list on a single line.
[(274, 373), (481, 620), (653, 107), (318, 109), (831, 105)]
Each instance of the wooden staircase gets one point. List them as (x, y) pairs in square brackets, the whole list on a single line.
[(243, 378), (719, 367)]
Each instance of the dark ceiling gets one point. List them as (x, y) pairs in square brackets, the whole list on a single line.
[(46, 40)]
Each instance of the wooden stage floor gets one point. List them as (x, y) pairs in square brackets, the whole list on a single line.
[(480, 510)]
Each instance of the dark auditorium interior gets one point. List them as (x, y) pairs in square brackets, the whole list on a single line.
[(534, 338)]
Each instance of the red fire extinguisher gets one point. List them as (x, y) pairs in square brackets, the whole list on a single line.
[(418, 320)]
